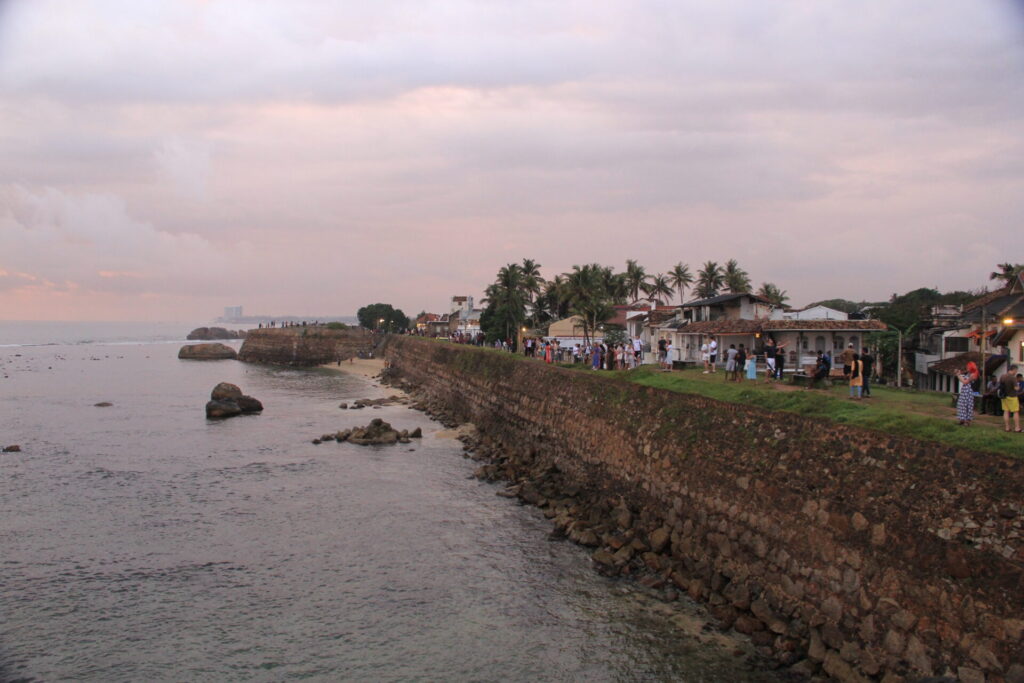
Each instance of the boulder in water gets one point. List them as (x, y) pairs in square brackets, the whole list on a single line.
[(12, 449), (227, 400), (225, 391), (248, 404), (219, 409), (212, 333), (207, 352)]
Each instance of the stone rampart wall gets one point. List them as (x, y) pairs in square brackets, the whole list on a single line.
[(872, 555), (310, 345)]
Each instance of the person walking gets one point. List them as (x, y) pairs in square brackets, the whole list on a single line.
[(1009, 395)]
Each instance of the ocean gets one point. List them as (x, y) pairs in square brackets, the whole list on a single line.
[(143, 542)]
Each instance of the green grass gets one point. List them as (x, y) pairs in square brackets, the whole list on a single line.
[(921, 415)]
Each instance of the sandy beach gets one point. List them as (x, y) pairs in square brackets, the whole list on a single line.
[(365, 367)]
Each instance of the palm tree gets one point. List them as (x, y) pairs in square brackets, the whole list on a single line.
[(681, 278), (635, 278), (736, 279), (659, 286), (1007, 272), (588, 292), (776, 296), (507, 296), (709, 280)]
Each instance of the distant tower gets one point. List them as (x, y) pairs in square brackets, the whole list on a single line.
[(232, 312)]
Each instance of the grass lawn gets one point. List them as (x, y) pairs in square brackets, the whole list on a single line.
[(918, 414)]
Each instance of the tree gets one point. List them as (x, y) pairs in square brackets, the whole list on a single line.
[(681, 278), (776, 296), (736, 279), (382, 317), (659, 287), (1006, 273), (590, 290), (709, 280), (635, 279), (506, 302)]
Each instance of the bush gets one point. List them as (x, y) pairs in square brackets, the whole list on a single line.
[(337, 326)]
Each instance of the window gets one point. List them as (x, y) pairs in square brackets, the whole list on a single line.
[(956, 344), (819, 343), (839, 345)]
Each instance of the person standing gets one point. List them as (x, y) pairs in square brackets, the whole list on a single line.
[(847, 357), (705, 355), (668, 355), (730, 363), (713, 353), (769, 358), (856, 376), (1010, 398), (752, 366), (965, 400), (638, 347), (868, 362), (741, 362)]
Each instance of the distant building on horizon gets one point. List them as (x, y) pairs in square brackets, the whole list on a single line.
[(232, 312)]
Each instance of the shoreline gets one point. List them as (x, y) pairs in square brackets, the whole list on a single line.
[(367, 368)]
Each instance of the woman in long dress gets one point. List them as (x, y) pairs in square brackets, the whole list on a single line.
[(752, 365), (965, 400)]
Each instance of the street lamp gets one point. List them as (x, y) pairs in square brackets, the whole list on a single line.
[(380, 323)]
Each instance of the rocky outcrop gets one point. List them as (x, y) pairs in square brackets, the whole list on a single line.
[(377, 433), (840, 551), (303, 346), (207, 352), (12, 449), (227, 400), (214, 333)]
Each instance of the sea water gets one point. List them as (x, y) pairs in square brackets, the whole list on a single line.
[(143, 542)]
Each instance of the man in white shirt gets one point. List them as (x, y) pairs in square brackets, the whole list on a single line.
[(713, 353), (705, 354), (638, 347)]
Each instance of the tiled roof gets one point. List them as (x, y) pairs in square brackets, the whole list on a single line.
[(658, 317), (722, 298), (986, 299), (722, 327), (952, 366), (779, 325)]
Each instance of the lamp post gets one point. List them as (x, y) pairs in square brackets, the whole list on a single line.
[(380, 324)]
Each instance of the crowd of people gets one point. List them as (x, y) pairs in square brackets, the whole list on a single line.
[(1002, 394)]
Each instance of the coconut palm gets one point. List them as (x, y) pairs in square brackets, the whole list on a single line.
[(587, 291), (709, 280), (635, 278), (736, 279), (1007, 272), (776, 296), (659, 287), (681, 278), (507, 298)]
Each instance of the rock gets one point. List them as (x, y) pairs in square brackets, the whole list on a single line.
[(659, 538), (343, 406), (207, 352), (416, 433), (248, 404), (221, 409), (225, 391), (12, 449), (841, 671), (103, 404), (211, 333)]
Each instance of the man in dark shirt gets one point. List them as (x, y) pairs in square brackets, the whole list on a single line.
[(869, 362)]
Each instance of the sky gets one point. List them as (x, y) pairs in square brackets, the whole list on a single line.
[(161, 160)]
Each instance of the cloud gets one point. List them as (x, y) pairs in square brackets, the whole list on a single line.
[(321, 155)]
